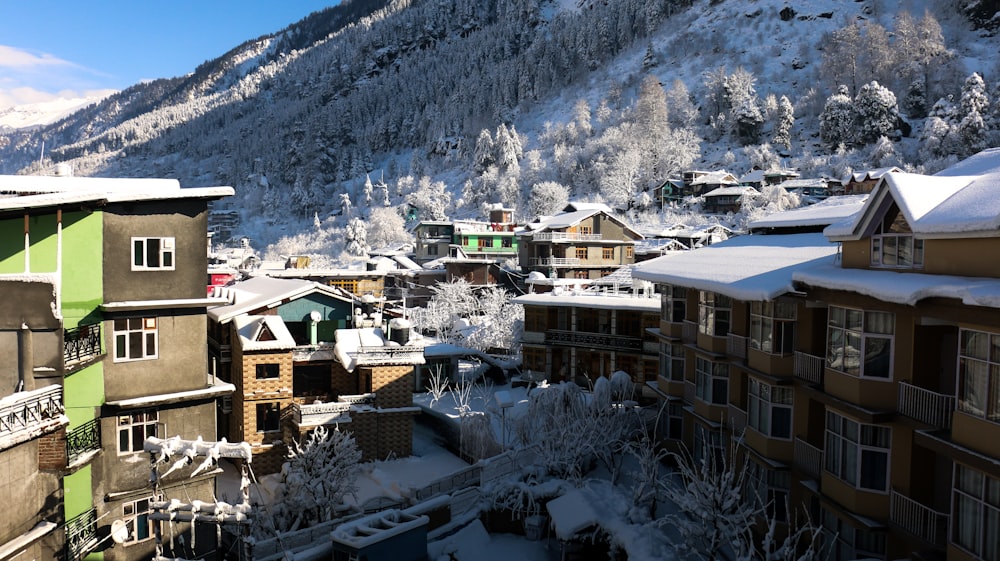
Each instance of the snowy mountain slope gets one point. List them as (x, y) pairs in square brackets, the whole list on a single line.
[(406, 87), (41, 113)]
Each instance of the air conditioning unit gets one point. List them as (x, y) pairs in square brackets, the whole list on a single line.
[(226, 404)]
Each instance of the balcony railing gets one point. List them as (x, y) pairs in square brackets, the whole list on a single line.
[(319, 351), (926, 406), (83, 439), (30, 411), (925, 523), (737, 420), (81, 343), (593, 340), (359, 399), (809, 367), (554, 261), (808, 458), (566, 237), (81, 535), (314, 414), (689, 331), (736, 346), (374, 356)]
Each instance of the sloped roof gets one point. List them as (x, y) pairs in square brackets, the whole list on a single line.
[(572, 218), (263, 333), (790, 184), (824, 213), (720, 177), (876, 173), (258, 292), (30, 191), (724, 191), (749, 268)]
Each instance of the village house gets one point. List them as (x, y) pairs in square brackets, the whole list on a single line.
[(852, 368), (105, 279), (725, 200), (861, 182)]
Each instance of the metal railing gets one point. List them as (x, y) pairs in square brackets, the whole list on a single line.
[(84, 438), (917, 519), (808, 367), (736, 346), (313, 414), (808, 458), (25, 411), (81, 343), (566, 237), (554, 261), (81, 535), (926, 406), (359, 399), (593, 340), (373, 356)]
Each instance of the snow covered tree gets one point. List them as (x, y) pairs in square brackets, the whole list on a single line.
[(386, 228), (876, 112), (973, 110), (581, 116), (784, 121), (431, 199), (498, 321), (506, 147), (319, 474), (683, 111), (483, 156), (841, 52), (356, 237), (547, 198), (368, 190), (345, 205), (836, 123), (740, 96)]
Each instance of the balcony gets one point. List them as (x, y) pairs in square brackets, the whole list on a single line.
[(26, 415), (809, 367), (593, 340), (925, 523), (689, 331), (81, 535), (736, 346), (319, 351), (808, 458), (81, 344), (377, 356), (315, 414), (554, 261), (566, 237), (928, 407), (82, 440), (359, 399), (737, 421)]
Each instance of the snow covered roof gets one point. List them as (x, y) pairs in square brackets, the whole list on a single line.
[(577, 205), (824, 213), (28, 191), (356, 346), (724, 191), (571, 218), (982, 163), (749, 268), (217, 390), (902, 288), (752, 176), (571, 514), (263, 333), (876, 173), (622, 276), (813, 182), (720, 177), (933, 205), (256, 292), (579, 299)]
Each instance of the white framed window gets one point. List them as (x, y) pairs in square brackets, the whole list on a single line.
[(769, 409), (976, 512), (711, 380), (672, 361), (979, 374), (858, 454), (135, 339), (153, 254), (843, 541), (770, 488), (893, 245), (772, 327), (673, 303), (859, 342), (714, 312), (135, 514), (134, 428)]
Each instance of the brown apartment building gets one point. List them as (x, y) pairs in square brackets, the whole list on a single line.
[(857, 369)]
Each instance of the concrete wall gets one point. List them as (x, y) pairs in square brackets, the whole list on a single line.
[(29, 495)]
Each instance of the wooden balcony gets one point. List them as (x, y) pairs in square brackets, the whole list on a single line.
[(592, 340), (736, 346), (920, 521), (928, 407), (808, 367), (808, 458), (26, 415), (566, 237)]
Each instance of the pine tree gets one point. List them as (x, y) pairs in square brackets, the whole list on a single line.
[(784, 121), (876, 112), (973, 110), (836, 122), (356, 237)]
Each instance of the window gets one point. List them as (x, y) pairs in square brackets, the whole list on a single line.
[(152, 253), (581, 275), (268, 417), (856, 453), (711, 381), (585, 230), (713, 313), (770, 487), (581, 253), (629, 252), (893, 244), (672, 361), (843, 541), (979, 374), (268, 371), (608, 253), (772, 327), (134, 428), (507, 242), (769, 409), (673, 303), (860, 342), (671, 421), (135, 339), (432, 249), (465, 240), (976, 527), (136, 517), (485, 243), (708, 446)]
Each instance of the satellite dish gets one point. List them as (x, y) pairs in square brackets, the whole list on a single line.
[(119, 531), (315, 315)]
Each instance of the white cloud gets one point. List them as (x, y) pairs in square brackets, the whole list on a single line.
[(12, 57), (29, 77)]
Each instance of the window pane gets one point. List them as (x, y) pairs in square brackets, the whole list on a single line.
[(973, 382), (837, 316), (137, 253), (152, 252), (877, 357), (889, 251), (975, 344), (168, 259), (852, 353), (781, 422), (138, 437), (123, 440), (854, 319), (135, 345), (150, 344)]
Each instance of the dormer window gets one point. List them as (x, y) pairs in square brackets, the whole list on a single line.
[(893, 244)]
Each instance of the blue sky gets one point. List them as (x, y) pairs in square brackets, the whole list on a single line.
[(71, 48)]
